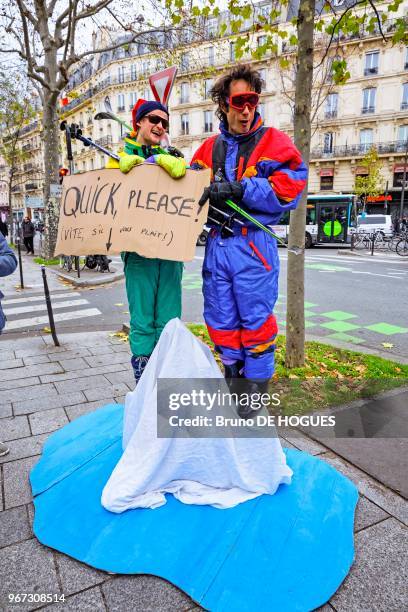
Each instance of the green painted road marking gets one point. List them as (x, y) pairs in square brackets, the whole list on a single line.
[(309, 313), (309, 324), (329, 267), (386, 329), (340, 326), (345, 338), (338, 315), (310, 305)]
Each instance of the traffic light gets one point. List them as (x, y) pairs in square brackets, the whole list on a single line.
[(62, 172)]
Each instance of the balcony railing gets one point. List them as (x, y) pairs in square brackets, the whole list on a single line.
[(104, 141), (121, 109), (368, 110), (31, 186), (373, 70), (396, 146), (330, 114)]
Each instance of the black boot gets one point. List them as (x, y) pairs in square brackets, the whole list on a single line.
[(232, 372), (251, 386)]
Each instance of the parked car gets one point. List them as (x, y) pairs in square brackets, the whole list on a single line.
[(375, 223)]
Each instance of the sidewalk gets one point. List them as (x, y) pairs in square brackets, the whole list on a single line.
[(43, 387)]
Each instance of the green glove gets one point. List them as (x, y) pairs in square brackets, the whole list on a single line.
[(127, 162), (175, 166)]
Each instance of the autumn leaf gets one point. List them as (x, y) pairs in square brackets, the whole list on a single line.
[(46, 330), (387, 344)]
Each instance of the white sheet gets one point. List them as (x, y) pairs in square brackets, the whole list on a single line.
[(221, 472)]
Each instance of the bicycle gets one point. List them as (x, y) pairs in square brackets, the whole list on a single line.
[(402, 247)]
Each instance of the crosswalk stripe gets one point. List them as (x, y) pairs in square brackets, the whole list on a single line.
[(36, 298), (61, 316), (37, 307)]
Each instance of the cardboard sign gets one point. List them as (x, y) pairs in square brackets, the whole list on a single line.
[(145, 211)]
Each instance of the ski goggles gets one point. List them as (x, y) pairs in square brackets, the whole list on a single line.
[(155, 120), (241, 100)]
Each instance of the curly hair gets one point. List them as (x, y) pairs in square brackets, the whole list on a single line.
[(220, 90)]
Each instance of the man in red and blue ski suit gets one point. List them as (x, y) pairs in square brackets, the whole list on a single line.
[(261, 170)]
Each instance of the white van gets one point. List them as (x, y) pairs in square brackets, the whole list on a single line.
[(375, 223)]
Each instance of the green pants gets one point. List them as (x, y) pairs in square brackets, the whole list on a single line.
[(153, 288)]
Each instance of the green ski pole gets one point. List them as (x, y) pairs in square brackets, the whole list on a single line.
[(261, 226)]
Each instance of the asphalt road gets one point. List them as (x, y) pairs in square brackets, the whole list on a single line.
[(360, 301)]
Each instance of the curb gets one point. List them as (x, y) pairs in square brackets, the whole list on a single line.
[(126, 328), (79, 282)]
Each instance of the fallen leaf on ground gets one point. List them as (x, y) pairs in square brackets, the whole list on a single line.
[(119, 304), (46, 330), (387, 344)]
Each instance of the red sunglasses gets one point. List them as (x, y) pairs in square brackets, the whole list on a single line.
[(241, 100)]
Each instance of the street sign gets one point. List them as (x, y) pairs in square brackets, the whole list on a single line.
[(33, 202), (55, 190), (161, 84)]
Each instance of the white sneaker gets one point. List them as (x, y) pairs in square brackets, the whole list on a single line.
[(4, 450)]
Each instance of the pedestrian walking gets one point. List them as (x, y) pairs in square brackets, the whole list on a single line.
[(3, 228), (259, 169), (8, 263), (28, 235)]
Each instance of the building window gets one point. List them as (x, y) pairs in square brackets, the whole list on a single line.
[(406, 59), (326, 179), (147, 93), (265, 11), (121, 74), (262, 74), (368, 100), (184, 124), (184, 93), (232, 51), (184, 61), (133, 72), (208, 121), (404, 103), (132, 99), (145, 68), (399, 175), (121, 102), (261, 110), (366, 140), (402, 136), (212, 28), (328, 142), (92, 163), (261, 41), (208, 83), (331, 105), (371, 63), (211, 57)]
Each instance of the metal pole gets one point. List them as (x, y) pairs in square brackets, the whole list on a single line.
[(385, 197), (404, 178), (77, 265), (49, 307), (20, 264), (372, 243)]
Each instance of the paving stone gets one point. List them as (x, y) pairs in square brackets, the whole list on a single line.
[(6, 364), (72, 354), (17, 490), (377, 580), (14, 427), (72, 365), (24, 447), (98, 360), (368, 514), (27, 567), (1, 494), (6, 354), (32, 345), (5, 410), (14, 526), (47, 420), (302, 442), (11, 385), (122, 348), (125, 377), (87, 601), (80, 384), (16, 395), (116, 367), (389, 501), (107, 392), (36, 370), (326, 608), (78, 410), (48, 403), (147, 593), (76, 576), (121, 399), (35, 359)]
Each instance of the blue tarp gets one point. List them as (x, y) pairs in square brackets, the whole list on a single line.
[(285, 552)]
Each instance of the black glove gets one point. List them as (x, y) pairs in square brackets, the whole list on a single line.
[(219, 192)]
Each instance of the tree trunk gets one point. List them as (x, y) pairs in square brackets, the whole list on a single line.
[(51, 174), (295, 316)]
